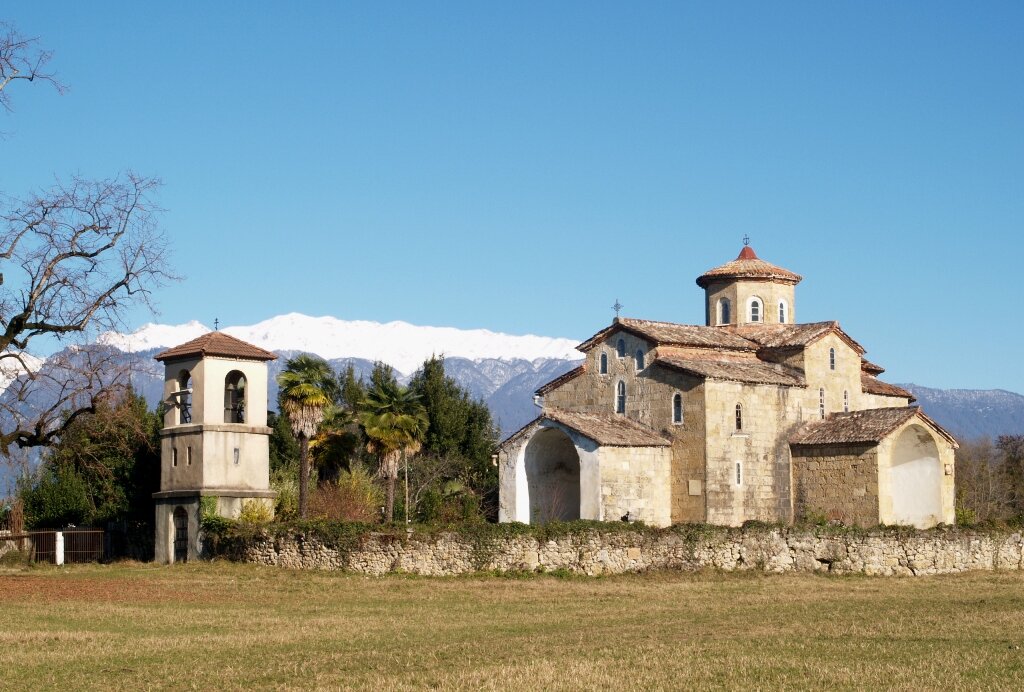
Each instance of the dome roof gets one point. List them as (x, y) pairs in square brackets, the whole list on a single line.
[(748, 266)]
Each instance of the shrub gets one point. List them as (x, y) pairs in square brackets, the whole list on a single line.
[(353, 497), (255, 512), (284, 482)]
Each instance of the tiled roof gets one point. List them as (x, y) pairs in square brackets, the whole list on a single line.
[(748, 266), (216, 344), (869, 367), (747, 371), (872, 385), (793, 335), (672, 334), (870, 425), (560, 380), (606, 430), (861, 427)]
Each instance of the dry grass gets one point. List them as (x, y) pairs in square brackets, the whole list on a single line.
[(233, 626)]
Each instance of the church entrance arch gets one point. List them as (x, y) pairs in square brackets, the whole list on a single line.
[(180, 535), (552, 477), (916, 479)]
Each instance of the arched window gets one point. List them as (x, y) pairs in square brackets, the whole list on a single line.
[(755, 309), (782, 312), (821, 402), (639, 359), (739, 417), (604, 363), (677, 409), (234, 397), (846, 401), (724, 311), (184, 397), (620, 348), (831, 359), (620, 397)]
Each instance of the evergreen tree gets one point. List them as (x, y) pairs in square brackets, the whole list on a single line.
[(104, 467)]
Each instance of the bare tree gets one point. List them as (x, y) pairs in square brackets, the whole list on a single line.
[(73, 258), (22, 59)]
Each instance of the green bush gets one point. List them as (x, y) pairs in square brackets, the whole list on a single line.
[(354, 497), (57, 499), (255, 512)]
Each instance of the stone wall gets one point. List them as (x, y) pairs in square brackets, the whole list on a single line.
[(839, 483), (592, 552)]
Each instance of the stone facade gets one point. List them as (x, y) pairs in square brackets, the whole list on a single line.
[(883, 553), (728, 398)]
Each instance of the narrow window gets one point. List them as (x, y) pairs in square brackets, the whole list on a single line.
[(782, 312), (188, 455), (620, 397), (174, 456), (831, 359), (846, 401), (739, 417), (620, 348), (677, 409), (755, 310), (739, 473), (723, 309), (184, 397), (821, 402), (639, 359), (604, 363), (236, 456)]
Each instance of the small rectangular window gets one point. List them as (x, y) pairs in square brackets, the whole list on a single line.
[(236, 456), (188, 455), (739, 473), (174, 456)]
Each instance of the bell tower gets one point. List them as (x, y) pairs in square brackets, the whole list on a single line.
[(215, 453), (749, 290)]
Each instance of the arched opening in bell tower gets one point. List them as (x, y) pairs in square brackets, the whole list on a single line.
[(234, 397)]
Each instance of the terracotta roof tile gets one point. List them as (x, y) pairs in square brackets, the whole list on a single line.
[(560, 380), (872, 385), (861, 427), (750, 372), (869, 367), (606, 430), (672, 334), (792, 335), (216, 344), (748, 266)]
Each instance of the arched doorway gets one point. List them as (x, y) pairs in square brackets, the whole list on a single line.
[(915, 479), (180, 535), (552, 477)]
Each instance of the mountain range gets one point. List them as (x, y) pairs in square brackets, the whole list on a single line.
[(500, 369)]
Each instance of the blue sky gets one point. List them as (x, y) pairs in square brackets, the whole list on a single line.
[(519, 166)]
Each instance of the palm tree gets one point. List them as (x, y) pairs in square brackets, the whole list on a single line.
[(395, 422), (308, 390)]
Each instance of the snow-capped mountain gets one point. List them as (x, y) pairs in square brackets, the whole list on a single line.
[(402, 345)]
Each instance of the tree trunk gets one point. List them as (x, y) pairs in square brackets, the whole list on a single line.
[(389, 508), (303, 477)]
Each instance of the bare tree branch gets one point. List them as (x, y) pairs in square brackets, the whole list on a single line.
[(22, 59)]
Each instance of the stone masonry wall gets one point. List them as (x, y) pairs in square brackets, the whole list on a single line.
[(841, 484), (887, 553)]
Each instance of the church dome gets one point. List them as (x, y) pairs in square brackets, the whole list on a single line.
[(748, 266)]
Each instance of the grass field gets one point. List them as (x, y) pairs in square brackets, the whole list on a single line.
[(219, 626)]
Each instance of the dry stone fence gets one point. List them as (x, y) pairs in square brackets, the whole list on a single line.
[(593, 551)]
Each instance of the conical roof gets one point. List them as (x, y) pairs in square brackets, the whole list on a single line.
[(748, 266), (216, 344)]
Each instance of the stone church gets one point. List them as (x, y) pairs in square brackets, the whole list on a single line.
[(750, 416)]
